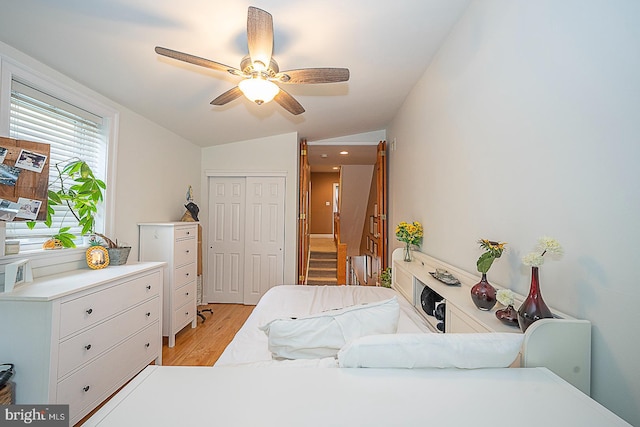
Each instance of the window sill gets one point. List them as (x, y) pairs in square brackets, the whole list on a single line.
[(43, 258)]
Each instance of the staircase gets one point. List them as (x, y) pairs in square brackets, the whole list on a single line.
[(322, 262)]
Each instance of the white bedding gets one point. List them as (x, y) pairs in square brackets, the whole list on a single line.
[(250, 345)]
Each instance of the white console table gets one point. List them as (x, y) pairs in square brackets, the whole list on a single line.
[(77, 337), (562, 344)]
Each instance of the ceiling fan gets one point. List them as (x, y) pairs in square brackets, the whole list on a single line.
[(260, 71)]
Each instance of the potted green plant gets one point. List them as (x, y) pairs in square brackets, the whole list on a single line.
[(77, 187), (385, 277), (81, 191)]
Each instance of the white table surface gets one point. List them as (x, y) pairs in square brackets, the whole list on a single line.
[(233, 396)]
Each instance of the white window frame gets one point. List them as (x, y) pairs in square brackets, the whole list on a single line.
[(11, 69)]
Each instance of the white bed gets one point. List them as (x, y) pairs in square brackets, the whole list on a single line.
[(250, 344), (248, 387)]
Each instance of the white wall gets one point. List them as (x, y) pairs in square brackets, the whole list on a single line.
[(271, 154), (526, 124), (154, 166)]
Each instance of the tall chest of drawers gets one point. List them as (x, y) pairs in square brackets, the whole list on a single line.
[(77, 337), (175, 243)]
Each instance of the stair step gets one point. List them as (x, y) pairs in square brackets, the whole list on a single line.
[(323, 255)]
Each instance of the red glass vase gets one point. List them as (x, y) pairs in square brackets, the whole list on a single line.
[(483, 294), (533, 307)]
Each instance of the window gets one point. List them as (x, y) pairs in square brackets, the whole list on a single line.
[(71, 129)]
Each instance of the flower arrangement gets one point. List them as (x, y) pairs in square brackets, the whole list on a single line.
[(411, 234), (505, 297), (493, 250), (545, 245)]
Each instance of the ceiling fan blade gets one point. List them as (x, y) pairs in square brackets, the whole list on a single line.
[(260, 35), (314, 75), (289, 103), (228, 96), (197, 60)]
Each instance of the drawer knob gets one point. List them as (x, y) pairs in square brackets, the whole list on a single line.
[(86, 388), (186, 293), (147, 345), (186, 313), (87, 347), (148, 313), (90, 311), (187, 274), (148, 287), (188, 251)]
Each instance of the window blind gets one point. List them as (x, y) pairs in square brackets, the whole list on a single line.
[(72, 132)]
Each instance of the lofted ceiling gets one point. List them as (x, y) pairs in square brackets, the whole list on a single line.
[(108, 46)]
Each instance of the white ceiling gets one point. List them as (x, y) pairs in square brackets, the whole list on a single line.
[(108, 45)]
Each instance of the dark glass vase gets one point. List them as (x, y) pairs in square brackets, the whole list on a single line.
[(483, 294), (533, 307), (508, 316)]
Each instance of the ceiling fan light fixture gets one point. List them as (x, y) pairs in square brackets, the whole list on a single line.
[(259, 90)]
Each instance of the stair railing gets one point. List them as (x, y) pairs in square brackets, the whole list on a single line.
[(341, 271)]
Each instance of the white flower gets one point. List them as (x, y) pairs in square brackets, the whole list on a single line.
[(505, 297), (533, 259), (549, 245)]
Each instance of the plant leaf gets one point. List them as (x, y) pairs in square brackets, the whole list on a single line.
[(485, 261)]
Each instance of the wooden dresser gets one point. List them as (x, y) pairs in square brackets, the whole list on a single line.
[(175, 243), (77, 337)]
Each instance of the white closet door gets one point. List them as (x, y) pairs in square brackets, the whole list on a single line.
[(246, 237), (264, 238), (226, 238)]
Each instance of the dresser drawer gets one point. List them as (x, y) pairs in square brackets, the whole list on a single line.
[(185, 251), (185, 294), (185, 232), (88, 310), (85, 387), (183, 315), (184, 274), (91, 343)]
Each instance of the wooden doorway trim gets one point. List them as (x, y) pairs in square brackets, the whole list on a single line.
[(303, 211), (381, 198)]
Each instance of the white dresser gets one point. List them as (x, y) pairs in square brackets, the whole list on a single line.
[(175, 243), (77, 337)]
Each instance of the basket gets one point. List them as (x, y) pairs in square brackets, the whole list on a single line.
[(118, 256), (7, 395)]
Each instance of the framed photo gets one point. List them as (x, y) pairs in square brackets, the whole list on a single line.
[(369, 262), (3, 154), (31, 160), (375, 210), (97, 257), (9, 175), (371, 229), (29, 208), (375, 249), (16, 274), (8, 210), (375, 229)]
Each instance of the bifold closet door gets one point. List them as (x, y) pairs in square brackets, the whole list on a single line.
[(246, 237), (264, 236), (225, 252)]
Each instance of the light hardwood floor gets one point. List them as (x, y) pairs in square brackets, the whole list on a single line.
[(203, 345)]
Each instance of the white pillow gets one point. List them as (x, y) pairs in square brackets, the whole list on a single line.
[(323, 334), (470, 351)]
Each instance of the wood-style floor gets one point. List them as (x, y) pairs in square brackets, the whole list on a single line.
[(203, 345)]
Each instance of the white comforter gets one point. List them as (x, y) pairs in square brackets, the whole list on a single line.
[(250, 345)]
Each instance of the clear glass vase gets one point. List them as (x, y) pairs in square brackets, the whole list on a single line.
[(407, 253)]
